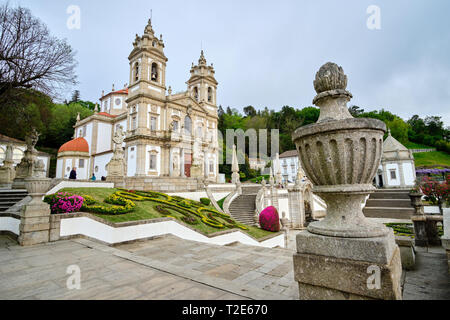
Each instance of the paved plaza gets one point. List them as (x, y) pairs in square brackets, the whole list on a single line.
[(172, 268)]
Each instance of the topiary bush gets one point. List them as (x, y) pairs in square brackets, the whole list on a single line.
[(269, 219), (205, 201)]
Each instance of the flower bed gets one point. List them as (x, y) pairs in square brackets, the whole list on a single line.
[(124, 201)]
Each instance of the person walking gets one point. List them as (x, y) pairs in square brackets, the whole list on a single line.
[(73, 174)]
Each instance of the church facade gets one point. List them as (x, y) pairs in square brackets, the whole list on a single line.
[(166, 134)]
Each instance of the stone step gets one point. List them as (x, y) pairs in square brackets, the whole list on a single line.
[(391, 213), (390, 195), (396, 203)]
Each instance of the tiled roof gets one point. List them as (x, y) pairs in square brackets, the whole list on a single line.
[(78, 144), (4, 138), (106, 114), (289, 154)]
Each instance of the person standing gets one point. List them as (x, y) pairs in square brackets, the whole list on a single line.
[(73, 174)]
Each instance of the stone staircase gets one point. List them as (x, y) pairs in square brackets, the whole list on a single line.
[(8, 198), (392, 204), (243, 206)]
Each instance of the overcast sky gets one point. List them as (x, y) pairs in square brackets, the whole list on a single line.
[(266, 53)]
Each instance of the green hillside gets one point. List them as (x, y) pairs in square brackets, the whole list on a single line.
[(431, 159)]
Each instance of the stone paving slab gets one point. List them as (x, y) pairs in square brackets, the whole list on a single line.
[(104, 275)]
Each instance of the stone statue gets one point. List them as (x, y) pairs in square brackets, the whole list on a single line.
[(25, 168), (7, 171), (116, 167), (118, 138)]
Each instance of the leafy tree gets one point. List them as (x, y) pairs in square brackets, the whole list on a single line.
[(75, 96)]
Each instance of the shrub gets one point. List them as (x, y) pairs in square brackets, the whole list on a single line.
[(269, 219), (64, 202), (205, 201)]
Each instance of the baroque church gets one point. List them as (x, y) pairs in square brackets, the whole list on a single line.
[(166, 134)]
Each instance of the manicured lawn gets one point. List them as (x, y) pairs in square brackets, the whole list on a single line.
[(413, 145), (428, 159), (145, 210)]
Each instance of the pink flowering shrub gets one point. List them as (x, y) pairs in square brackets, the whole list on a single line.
[(269, 219), (64, 202)]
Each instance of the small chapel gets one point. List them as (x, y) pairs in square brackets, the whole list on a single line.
[(161, 133), (397, 169)]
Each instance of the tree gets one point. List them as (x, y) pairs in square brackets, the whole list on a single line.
[(250, 111), (355, 111), (29, 109), (30, 57), (75, 96)]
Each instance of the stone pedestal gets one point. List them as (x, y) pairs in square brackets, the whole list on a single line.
[(420, 233), (35, 217), (7, 174), (196, 171), (345, 255), (334, 268), (116, 168)]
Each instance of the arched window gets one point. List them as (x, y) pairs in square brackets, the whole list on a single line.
[(154, 72), (17, 155), (209, 94), (2, 154), (196, 93), (136, 71), (187, 125)]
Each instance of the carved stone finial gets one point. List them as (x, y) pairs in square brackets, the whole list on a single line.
[(202, 60), (78, 117), (113, 87), (170, 90), (330, 77)]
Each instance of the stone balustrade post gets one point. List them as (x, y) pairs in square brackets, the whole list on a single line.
[(344, 256)]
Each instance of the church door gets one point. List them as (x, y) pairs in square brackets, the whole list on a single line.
[(187, 164)]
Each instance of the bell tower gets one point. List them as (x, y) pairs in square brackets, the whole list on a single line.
[(202, 85), (148, 65)]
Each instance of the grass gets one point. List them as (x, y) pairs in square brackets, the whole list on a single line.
[(145, 210), (431, 159), (221, 201), (413, 145), (407, 229)]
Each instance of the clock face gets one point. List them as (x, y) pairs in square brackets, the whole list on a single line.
[(118, 101)]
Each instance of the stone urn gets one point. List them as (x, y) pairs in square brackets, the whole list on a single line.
[(416, 200), (340, 155), (36, 188)]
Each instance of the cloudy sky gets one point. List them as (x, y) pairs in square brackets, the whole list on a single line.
[(266, 53)]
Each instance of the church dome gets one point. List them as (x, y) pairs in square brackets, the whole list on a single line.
[(75, 145), (394, 150)]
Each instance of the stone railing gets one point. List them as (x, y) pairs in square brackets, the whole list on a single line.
[(422, 150), (213, 200), (229, 199)]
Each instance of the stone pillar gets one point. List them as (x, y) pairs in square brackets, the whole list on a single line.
[(419, 220), (141, 156), (235, 177), (7, 171), (35, 217), (344, 256), (402, 174), (296, 206)]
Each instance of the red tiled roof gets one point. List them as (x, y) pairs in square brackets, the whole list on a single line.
[(78, 144), (121, 91), (106, 114)]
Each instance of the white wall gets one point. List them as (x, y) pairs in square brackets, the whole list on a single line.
[(9, 224), (131, 161), (59, 168), (97, 230), (409, 173), (82, 173), (68, 164), (79, 184), (390, 182), (158, 158), (101, 161), (104, 137)]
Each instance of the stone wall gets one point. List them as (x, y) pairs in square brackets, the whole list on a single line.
[(162, 184)]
